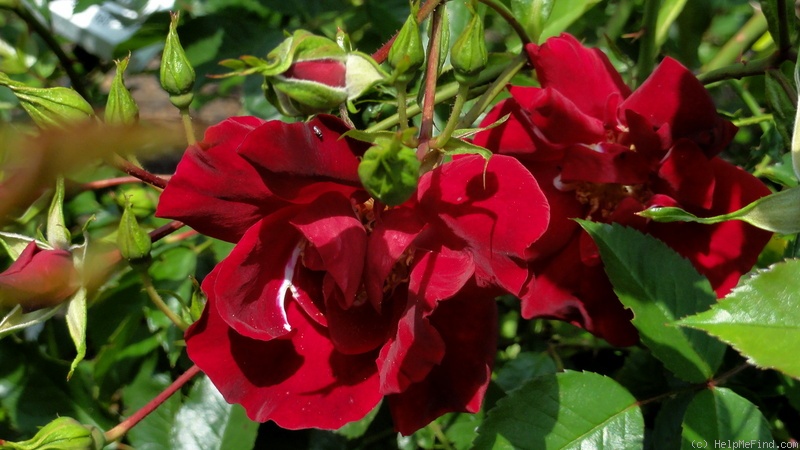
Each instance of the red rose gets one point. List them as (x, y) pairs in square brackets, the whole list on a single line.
[(329, 301), (605, 153), (38, 279)]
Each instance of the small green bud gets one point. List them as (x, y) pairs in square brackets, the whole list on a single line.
[(177, 74), (57, 232), (64, 433), (121, 108), (133, 242), (50, 107), (407, 53), (389, 170), (468, 54)]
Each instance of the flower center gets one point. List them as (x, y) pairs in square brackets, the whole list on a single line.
[(603, 198)]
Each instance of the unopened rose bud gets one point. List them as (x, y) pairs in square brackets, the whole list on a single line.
[(134, 243), (314, 80), (177, 74), (468, 54), (64, 433), (121, 108), (38, 279), (407, 53), (49, 107)]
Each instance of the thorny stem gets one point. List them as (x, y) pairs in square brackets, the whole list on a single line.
[(494, 90), (784, 43), (697, 387), (742, 69), (431, 74), (508, 16), (647, 49), (159, 302), (382, 53), (125, 166), (188, 127), (120, 430), (749, 101), (65, 61), (111, 182), (165, 230), (741, 41)]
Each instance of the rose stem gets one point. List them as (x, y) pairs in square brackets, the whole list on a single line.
[(126, 166), (741, 41), (382, 53), (494, 90), (111, 182), (749, 101), (165, 230), (120, 430), (188, 127), (455, 114), (647, 47), (158, 301), (508, 16), (742, 69), (431, 74)]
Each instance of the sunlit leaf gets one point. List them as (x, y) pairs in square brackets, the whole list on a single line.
[(720, 415)]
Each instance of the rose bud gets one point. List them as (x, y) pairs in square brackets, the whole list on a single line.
[(49, 107), (38, 279)]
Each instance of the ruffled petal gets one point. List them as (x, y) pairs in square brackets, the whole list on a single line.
[(255, 280), (299, 382), (468, 327), (608, 163), (214, 190), (673, 95), (583, 75), (496, 209), (339, 238), (301, 161), (688, 175), (439, 274)]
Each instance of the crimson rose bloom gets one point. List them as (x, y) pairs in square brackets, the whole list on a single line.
[(38, 279), (605, 153), (329, 301)]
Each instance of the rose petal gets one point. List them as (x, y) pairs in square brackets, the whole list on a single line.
[(583, 75), (338, 237), (468, 327), (38, 279), (254, 281), (688, 175), (301, 382), (497, 210), (214, 190), (608, 163), (301, 161), (439, 274)]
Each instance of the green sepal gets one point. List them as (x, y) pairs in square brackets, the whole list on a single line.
[(63, 433), (49, 107), (361, 73), (407, 53), (134, 243), (778, 212), (176, 74), (121, 108), (300, 97), (458, 147), (58, 234), (389, 170), (469, 55)]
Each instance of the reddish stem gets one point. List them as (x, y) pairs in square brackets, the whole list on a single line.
[(382, 53), (431, 74), (139, 173), (165, 230), (120, 430), (111, 182)]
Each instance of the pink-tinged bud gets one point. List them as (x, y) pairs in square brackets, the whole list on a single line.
[(38, 279), (329, 72)]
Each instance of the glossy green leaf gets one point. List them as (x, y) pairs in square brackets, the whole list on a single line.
[(667, 14), (667, 425), (532, 14), (659, 286), (152, 433), (565, 410), (719, 415), (760, 318), (524, 367), (207, 421), (563, 14)]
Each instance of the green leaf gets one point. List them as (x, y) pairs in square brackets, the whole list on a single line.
[(565, 410), (667, 425), (152, 433), (532, 14), (357, 429), (760, 318), (459, 147), (207, 421), (778, 212), (719, 414), (76, 322), (659, 286), (523, 368)]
